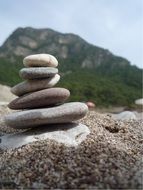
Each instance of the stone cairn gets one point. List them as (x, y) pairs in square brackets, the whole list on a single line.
[(41, 104)]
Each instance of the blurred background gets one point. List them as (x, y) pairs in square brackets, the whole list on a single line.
[(98, 43)]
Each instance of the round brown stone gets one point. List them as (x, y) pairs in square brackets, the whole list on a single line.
[(42, 98)]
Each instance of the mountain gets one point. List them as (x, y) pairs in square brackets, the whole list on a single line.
[(90, 72)]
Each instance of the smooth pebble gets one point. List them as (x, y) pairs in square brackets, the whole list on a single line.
[(42, 98), (40, 60), (37, 72), (65, 113), (34, 85)]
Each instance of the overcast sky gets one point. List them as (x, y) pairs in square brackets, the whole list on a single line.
[(116, 25)]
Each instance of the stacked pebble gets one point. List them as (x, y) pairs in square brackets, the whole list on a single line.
[(46, 104)]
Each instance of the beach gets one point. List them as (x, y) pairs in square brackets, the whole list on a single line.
[(109, 158)]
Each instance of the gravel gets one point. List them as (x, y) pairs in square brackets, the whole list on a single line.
[(110, 158)]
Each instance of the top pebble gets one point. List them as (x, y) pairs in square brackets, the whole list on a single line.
[(40, 60)]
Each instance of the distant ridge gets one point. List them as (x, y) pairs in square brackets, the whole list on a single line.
[(25, 41)]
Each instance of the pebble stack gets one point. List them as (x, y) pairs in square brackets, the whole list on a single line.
[(42, 103)]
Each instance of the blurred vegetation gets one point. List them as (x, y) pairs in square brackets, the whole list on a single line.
[(112, 84), (101, 89)]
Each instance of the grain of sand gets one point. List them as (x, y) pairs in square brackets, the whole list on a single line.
[(110, 158)]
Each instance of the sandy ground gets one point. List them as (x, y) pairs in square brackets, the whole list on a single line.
[(110, 158)]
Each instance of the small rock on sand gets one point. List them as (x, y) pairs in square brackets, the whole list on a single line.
[(70, 134)]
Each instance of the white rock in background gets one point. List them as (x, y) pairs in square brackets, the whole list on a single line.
[(139, 102), (125, 115), (71, 134)]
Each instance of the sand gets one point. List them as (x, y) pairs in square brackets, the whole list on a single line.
[(110, 158)]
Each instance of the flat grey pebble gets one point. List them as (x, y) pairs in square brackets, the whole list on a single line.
[(37, 72), (65, 113)]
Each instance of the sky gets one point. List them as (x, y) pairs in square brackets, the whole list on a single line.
[(116, 25)]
